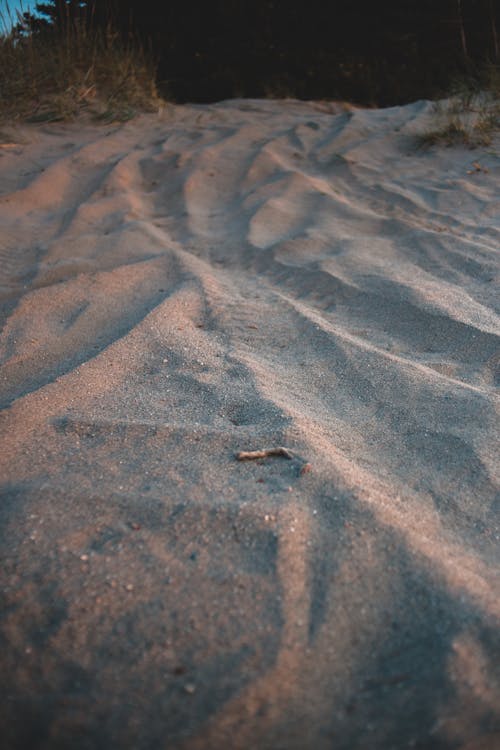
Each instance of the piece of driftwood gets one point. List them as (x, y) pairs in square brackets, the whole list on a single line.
[(264, 453)]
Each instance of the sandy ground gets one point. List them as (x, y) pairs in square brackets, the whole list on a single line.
[(233, 277)]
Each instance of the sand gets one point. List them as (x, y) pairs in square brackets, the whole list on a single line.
[(235, 277)]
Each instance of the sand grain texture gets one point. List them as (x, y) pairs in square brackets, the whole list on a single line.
[(239, 277)]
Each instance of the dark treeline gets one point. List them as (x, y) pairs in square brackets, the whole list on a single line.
[(371, 52)]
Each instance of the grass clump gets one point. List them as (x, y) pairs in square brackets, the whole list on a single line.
[(52, 73), (470, 116)]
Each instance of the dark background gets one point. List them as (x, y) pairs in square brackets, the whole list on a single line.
[(379, 53)]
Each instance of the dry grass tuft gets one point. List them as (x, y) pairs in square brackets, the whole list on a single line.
[(57, 74), (470, 116)]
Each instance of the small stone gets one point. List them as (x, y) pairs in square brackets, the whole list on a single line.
[(129, 587), (190, 688)]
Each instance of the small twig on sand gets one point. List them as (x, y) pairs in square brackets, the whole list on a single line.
[(265, 453)]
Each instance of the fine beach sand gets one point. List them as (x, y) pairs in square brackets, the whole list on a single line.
[(230, 277)]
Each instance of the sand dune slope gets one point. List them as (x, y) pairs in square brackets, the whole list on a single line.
[(233, 277)]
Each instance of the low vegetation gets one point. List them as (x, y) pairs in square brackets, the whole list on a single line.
[(470, 116), (49, 74)]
